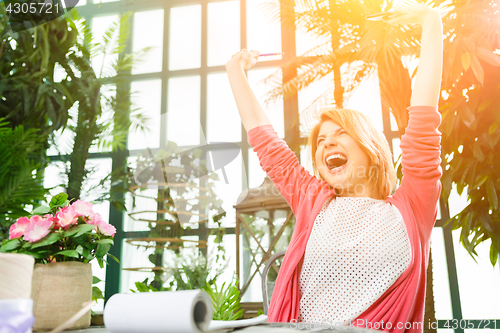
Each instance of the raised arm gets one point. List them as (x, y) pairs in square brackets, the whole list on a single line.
[(427, 85), (251, 113), (281, 165), (420, 145)]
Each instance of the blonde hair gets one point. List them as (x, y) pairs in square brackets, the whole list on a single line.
[(382, 175)]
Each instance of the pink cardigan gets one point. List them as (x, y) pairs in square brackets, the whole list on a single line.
[(401, 307)]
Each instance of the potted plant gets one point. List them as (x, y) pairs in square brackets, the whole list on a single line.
[(63, 238)]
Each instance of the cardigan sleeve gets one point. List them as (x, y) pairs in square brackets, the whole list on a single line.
[(421, 162), (281, 165)]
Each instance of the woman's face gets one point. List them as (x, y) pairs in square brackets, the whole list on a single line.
[(341, 161)]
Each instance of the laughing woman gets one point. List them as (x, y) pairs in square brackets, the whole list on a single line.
[(360, 248)]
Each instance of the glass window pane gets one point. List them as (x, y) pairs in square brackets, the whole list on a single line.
[(308, 43), (456, 201), (183, 113), (55, 176), (273, 110), (223, 31), (440, 283), (366, 99), (107, 94), (145, 208), (306, 158), (146, 95), (263, 33), (63, 137), (229, 243), (148, 32), (320, 91), (223, 119), (394, 124), (479, 282), (99, 26), (396, 149), (132, 259), (185, 37), (229, 192), (255, 173)]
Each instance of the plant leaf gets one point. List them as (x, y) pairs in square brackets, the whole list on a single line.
[(40, 210), (58, 200), (78, 230), (492, 193), (11, 245), (47, 240), (466, 60), (69, 253), (105, 241)]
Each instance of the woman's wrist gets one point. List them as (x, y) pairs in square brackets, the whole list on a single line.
[(234, 64)]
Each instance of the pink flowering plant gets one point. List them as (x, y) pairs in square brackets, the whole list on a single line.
[(62, 231)]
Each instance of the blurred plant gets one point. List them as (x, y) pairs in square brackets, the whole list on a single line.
[(21, 185), (226, 301), (195, 271), (92, 125), (471, 118), (32, 106), (29, 94), (185, 199)]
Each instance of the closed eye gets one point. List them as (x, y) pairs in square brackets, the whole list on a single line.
[(339, 133)]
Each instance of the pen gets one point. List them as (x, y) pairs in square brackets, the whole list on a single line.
[(270, 54)]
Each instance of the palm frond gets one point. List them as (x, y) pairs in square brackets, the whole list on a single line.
[(124, 33)]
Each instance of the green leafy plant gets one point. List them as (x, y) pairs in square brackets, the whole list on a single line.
[(65, 232), (96, 291), (21, 183), (226, 301), (88, 86), (145, 287), (182, 202)]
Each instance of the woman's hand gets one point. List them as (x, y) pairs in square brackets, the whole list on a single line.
[(246, 59), (416, 13)]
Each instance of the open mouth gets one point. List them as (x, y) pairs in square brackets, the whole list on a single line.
[(336, 161)]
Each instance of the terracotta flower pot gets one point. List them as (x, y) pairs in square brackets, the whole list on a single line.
[(58, 291)]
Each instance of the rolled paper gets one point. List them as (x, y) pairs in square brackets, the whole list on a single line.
[(181, 311), (16, 271), (186, 311)]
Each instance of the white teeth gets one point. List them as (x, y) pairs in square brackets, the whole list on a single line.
[(335, 156)]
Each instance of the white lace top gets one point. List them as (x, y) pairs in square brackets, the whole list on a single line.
[(357, 249)]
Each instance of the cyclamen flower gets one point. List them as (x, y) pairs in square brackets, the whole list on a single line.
[(107, 229), (82, 208), (67, 216), (37, 230), (17, 229)]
